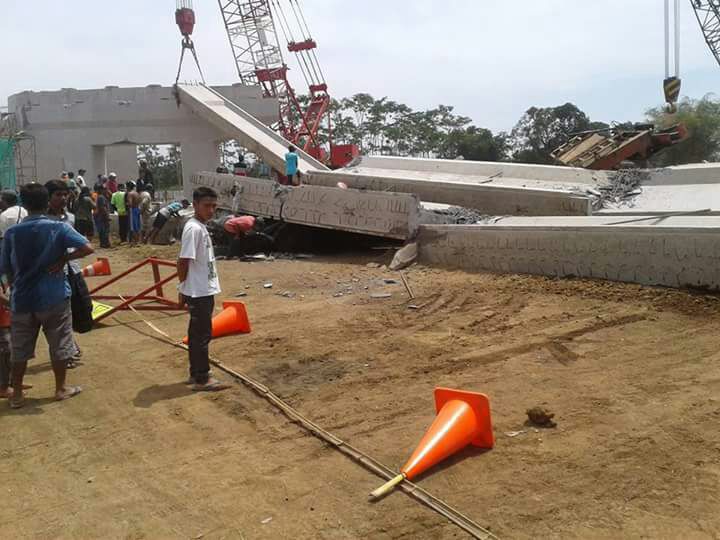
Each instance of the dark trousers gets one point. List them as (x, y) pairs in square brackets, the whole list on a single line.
[(123, 223), (4, 361), (103, 230), (199, 335)]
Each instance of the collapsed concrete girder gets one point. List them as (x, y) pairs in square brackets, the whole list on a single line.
[(682, 252), (486, 198), (389, 215)]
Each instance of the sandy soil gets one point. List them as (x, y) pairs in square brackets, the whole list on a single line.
[(631, 373)]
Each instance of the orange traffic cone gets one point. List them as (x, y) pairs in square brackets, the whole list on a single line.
[(99, 268), (463, 418), (233, 319)]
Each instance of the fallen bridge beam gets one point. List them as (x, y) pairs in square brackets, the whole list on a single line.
[(388, 215), (435, 187), (679, 252)]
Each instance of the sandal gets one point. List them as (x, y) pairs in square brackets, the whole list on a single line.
[(16, 403), (191, 379), (70, 391), (212, 385)]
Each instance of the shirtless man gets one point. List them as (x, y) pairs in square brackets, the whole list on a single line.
[(133, 203)]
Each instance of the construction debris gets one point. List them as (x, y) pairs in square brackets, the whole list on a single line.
[(608, 148), (622, 188), (538, 416), (405, 256)]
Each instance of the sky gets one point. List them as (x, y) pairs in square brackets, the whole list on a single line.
[(490, 59)]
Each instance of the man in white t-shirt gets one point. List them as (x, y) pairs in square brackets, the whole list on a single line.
[(80, 179), (12, 212), (199, 284)]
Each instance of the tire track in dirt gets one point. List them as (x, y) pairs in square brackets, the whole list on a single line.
[(552, 343)]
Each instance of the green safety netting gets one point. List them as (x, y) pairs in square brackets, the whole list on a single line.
[(7, 164)]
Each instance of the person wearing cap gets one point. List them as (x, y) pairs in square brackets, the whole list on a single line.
[(163, 215), (146, 209), (64, 176), (112, 183)]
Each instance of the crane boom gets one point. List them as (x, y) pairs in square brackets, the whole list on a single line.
[(258, 58), (708, 15), (252, 28)]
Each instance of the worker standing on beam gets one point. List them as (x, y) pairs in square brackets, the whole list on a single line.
[(291, 166)]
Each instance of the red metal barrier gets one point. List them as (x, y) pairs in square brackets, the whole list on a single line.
[(150, 302)]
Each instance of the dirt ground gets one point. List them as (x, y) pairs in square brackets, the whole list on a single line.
[(632, 374)]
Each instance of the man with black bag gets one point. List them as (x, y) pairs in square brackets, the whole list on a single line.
[(34, 255), (80, 301)]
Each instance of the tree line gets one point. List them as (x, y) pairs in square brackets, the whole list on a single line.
[(386, 127)]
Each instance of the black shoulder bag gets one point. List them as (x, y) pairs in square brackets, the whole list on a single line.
[(80, 302)]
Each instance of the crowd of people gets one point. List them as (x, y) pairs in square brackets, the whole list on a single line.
[(50, 226), (90, 210), (40, 241)]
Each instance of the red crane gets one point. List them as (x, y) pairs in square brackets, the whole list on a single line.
[(252, 31)]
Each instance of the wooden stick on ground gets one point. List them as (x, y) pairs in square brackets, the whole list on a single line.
[(407, 286), (368, 462)]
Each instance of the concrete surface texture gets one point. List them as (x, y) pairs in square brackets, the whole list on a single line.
[(74, 128), (488, 198), (682, 252), (390, 215), (547, 173), (241, 124), (696, 173)]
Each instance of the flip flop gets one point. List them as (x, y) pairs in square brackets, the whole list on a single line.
[(210, 386), (70, 391)]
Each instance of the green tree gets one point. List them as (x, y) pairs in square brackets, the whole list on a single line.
[(702, 119), (542, 130), (475, 144), (165, 164)]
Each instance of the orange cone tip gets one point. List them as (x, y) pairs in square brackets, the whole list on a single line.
[(99, 268), (233, 319), (463, 418)]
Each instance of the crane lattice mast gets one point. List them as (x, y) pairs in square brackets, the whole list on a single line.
[(708, 15), (252, 31)]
